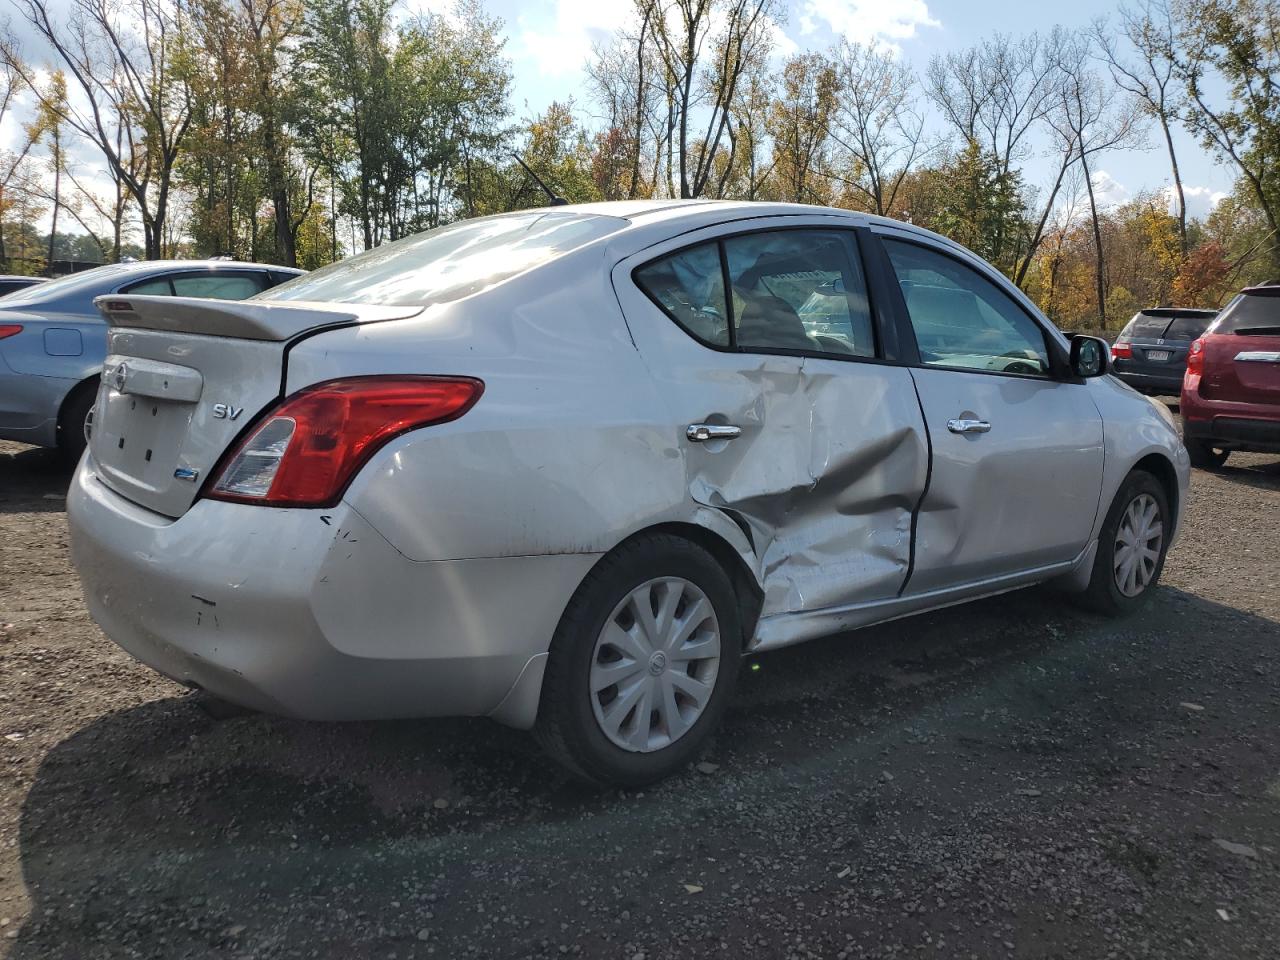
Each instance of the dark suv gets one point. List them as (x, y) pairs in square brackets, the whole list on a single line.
[(1151, 352)]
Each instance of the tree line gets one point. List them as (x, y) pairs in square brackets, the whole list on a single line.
[(298, 132)]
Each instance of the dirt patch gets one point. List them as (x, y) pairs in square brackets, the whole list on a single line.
[(1009, 778)]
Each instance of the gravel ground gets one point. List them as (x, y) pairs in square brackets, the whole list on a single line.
[(1013, 778)]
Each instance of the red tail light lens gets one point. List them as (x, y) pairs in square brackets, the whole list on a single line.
[(9, 329), (305, 451), (1195, 357), (1122, 350)]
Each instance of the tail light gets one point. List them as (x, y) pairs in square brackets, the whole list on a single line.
[(1195, 357), (304, 452), (1122, 350), (9, 329)]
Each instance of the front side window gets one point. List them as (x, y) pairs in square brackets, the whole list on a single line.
[(961, 319), (788, 290)]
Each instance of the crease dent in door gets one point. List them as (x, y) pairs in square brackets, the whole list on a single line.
[(827, 473)]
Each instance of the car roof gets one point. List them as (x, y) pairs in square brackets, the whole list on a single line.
[(19, 276)]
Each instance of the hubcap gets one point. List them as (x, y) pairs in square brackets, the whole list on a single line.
[(1138, 542), (655, 664)]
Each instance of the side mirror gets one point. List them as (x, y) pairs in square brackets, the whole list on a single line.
[(1090, 356)]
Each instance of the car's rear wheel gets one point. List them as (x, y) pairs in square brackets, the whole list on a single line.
[(72, 421), (1131, 546), (1205, 455), (643, 663)]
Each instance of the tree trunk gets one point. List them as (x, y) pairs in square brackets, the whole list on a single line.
[(57, 202), (1097, 246), (1177, 186), (1039, 234)]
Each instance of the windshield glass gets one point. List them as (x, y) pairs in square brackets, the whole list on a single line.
[(69, 285), (450, 262), (1250, 313)]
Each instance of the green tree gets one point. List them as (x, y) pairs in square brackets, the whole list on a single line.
[(1237, 42)]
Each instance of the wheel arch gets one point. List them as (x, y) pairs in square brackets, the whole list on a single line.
[(88, 385), (1161, 467)]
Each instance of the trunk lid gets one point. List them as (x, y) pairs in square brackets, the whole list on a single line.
[(1242, 368), (184, 377)]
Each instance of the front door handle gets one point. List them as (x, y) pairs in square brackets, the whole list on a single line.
[(961, 425), (702, 432)]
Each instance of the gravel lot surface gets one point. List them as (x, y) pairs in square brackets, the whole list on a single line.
[(1013, 778)]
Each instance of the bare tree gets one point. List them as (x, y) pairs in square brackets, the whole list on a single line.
[(876, 122), (705, 47), (1149, 33), (120, 56), (1085, 111), (994, 95)]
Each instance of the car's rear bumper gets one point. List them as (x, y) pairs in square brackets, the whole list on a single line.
[(1230, 425), (1164, 383), (312, 613)]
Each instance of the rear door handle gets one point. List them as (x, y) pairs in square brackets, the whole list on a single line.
[(702, 432), (959, 425)]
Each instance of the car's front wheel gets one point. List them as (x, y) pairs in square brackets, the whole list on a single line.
[(1131, 546), (643, 663)]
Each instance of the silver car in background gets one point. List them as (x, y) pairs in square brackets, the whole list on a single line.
[(53, 339), (563, 468)]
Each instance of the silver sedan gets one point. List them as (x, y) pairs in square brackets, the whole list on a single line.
[(564, 467)]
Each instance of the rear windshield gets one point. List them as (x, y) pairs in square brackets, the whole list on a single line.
[(450, 262), (1251, 313), (1166, 326)]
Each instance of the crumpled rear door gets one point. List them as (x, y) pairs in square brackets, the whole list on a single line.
[(830, 464)]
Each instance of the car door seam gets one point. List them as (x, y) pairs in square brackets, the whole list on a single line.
[(928, 479)]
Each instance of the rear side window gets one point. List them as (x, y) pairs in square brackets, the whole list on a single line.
[(219, 286), (799, 290), (1251, 314), (449, 263), (689, 286), (788, 290)]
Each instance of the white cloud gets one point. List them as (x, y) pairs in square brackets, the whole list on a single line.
[(1108, 191), (866, 21), (1200, 200), (562, 45)]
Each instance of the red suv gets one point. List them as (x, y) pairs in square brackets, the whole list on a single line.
[(1231, 391)]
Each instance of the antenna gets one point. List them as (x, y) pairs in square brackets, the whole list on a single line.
[(554, 201)]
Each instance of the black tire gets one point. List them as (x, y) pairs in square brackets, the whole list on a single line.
[(1103, 593), (566, 727), (71, 438), (1205, 455)]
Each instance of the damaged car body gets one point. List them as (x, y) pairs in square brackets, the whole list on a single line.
[(563, 468)]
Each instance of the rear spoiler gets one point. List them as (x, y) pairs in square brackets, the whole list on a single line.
[(1172, 313), (240, 319)]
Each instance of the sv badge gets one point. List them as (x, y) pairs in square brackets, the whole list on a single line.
[(225, 411)]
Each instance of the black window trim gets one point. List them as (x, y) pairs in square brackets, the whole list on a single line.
[(862, 239), (1059, 363)]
